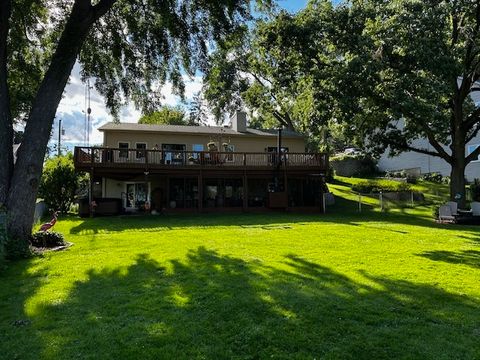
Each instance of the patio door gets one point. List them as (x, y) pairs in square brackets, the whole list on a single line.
[(137, 194)]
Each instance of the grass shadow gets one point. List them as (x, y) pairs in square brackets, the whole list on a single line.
[(212, 306), (19, 281), (465, 257)]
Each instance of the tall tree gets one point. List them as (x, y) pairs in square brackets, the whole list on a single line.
[(166, 115), (130, 47), (277, 71), (411, 70)]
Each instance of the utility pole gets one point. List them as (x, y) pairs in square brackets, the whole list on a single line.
[(60, 137), (87, 112)]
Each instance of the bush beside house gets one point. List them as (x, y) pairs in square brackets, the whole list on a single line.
[(59, 183)]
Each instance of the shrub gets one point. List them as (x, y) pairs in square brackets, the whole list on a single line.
[(475, 190), (374, 187), (47, 239), (329, 176), (435, 210), (435, 178), (59, 183), (402, 174)]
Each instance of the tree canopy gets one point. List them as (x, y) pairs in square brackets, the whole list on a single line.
[(131, 48), (167, 115)]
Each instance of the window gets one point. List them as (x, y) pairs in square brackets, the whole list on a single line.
[(123, 146), (173, 153), (471, 148), (140, 146), (196, 148)]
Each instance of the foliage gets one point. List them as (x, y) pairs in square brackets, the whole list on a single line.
[(330, 175), (402, 174), (435, 178), (167, 115), (436, 210), (47, 239), (356, 164), (264, 70), (475, 190), (59, 183), (377, 186)]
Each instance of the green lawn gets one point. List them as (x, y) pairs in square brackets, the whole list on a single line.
[(345, 285)]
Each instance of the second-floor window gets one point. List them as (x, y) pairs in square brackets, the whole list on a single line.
[(123, 153), (142, 147)]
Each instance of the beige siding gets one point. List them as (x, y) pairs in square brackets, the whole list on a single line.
[(242, 143)]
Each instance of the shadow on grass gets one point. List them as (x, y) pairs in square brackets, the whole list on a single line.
[(18, 282), (211, 306), (344, 212), (465, 257)]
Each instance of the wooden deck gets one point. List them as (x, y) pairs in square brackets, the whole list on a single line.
[(117, 160)]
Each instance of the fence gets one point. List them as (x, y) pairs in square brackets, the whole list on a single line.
[(389, 200)]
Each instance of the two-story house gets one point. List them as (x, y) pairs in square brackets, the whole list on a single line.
[(201, 168)]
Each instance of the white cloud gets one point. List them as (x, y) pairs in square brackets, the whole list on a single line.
[(72, 109)]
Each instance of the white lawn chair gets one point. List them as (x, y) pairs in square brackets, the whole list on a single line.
[(475, 205), (454, 207), (445, 214)]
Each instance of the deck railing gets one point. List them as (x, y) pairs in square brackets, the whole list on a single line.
[(116, 157)]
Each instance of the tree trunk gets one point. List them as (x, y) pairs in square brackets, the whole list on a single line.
[(457, 175), (28, 168), (457, 184), (6, 128)]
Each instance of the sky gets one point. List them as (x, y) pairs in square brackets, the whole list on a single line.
[(72, 107)]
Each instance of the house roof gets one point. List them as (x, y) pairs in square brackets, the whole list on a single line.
[(200, 130)]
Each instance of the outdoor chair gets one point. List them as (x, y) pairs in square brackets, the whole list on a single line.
[(454, 207), (475, 205), (445, 214)]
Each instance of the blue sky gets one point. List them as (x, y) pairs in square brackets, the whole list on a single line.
[(72, 104), (292, 5)]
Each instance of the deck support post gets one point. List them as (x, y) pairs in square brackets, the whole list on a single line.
[(90, 194), (200, 192), (245, 192)]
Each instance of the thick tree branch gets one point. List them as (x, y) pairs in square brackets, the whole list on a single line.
[(473, 155), (102, 8), (406, 147), (473, 134), (472, 119)]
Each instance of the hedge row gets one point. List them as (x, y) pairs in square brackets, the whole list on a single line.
[(377, 186)]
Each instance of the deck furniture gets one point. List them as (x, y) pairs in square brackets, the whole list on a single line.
[(475, 205), (445, 214)]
